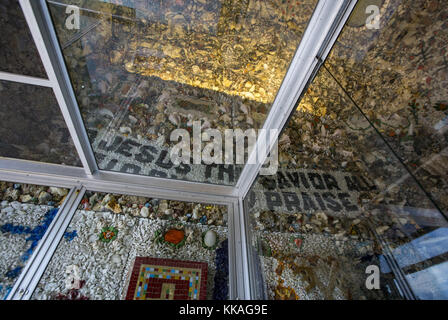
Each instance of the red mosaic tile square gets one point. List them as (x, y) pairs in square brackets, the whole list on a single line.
[(154, 278)]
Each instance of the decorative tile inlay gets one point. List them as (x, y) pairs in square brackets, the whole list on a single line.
[(167, 279)]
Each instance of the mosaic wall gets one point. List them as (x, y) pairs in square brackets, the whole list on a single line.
[(398, 76), (341, 202), (166, 279), (114, 234), (26, 212), (363, 166)]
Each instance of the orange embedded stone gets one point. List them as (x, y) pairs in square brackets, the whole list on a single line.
[(174, 236)]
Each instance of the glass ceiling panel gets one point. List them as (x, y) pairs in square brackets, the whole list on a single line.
[(18, 53), (398, 75), (363, 167), (32, 126), (141, 69), (329, 214)]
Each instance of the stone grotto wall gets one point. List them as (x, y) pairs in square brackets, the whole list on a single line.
[(25, 215), (339, 199), (105, 266)]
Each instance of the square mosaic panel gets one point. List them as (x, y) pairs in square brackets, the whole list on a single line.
[(167, 279)]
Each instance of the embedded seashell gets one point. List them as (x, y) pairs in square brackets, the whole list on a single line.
[(73, 278), (109, 77), (132, 119), (225, 118), (347, 153), (144, 212), (337, 133), (189, 238), (196, 212), (210, 238), (116, 259), (100, 224), (160, 140), (195, 69), (285, 140), (58, 191), (117, 244), (323, 131), (309, 126), (244, 109), (322, 217), (103, 87), (163, 206), (160, 117), (93, 238), (411, 129), (174, 119), (131, 223), (223, 109), (113, 206), (108, 197), (189, 231), (226, 82), (26, 198), (125, 130), (121, 225), (206, 125), (382, 229), (106, 112)]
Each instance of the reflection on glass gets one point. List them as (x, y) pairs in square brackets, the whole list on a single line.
[(26, 212), (431, 283), (18, 53), (398, 75), (142, 69), (428, 246), (112, 239), (32, 126), (340, 203)]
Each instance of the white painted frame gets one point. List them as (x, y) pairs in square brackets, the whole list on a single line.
[(325, 25), (34, 269), (39, 22), (25, 79)]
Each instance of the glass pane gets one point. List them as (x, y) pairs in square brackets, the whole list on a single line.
[(26, 212), (342, 205), (113, 238), (32, 126), (398, 75), (142, 69), (17, 50)]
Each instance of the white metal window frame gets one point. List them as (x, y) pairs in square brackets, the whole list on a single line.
[(326, 23)]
